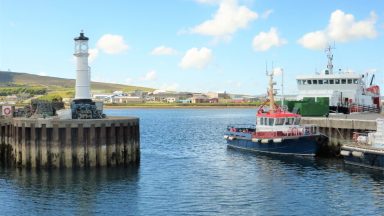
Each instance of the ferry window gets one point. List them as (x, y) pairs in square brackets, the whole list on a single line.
[(309, 82), (337, 81), (299, 82), (271, 120), (304, 82), (355, 81), (258, 121), (314, 81), (320, 82), (325, 81), (349, 81), (279, 121), (331, 81), (343, 81)]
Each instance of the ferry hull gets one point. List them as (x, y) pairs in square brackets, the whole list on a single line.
[(302, 146), (363, 157)]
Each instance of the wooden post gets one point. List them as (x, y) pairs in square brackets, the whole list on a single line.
[(92, 146), (68, 146), (44, 146), (24, 147), (103, 146), (33, 145), (80, 146)]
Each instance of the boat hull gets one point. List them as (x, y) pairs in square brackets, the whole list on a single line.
[(302, 146), (363, 157)]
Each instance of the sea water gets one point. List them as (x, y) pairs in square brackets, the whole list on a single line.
[(186, 169)]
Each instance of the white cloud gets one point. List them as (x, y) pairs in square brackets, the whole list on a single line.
[(314, 40), (342, 27), (112, 44), (163, 50), (266, 40), (196, 58), (266, 14), (151, 75), (93, 53), (229, 18)]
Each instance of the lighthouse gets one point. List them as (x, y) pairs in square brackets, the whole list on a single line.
[(83, 73), (82, 107)]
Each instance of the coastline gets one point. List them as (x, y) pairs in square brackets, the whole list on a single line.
[(179, 107)]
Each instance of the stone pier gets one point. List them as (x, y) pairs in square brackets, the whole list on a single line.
[(54, 143), (340, 129)]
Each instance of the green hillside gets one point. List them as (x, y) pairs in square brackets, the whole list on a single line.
[(54, 84)]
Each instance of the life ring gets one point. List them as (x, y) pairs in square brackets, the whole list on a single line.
[(7, 111)]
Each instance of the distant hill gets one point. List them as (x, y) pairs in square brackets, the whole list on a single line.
[(9, 79)]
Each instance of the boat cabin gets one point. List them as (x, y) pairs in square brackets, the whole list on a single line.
[(277, 120)]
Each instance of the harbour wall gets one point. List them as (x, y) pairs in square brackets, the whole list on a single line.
[(339, 130), (55, 143)]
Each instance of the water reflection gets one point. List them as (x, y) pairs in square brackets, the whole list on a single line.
[(67, 191)]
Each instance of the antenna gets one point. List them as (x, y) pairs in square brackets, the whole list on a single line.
[(328, 50), (282, 87)]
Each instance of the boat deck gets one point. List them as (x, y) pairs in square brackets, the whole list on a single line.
[(361, 147)]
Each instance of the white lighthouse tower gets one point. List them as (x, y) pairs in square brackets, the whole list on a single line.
[(83, 75)]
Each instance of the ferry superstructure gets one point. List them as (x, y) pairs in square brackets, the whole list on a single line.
[(347, 91)]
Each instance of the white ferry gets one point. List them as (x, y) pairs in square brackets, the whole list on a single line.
[(347, 91)]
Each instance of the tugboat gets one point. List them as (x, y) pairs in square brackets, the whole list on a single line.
[(367, 149), (276, 131)]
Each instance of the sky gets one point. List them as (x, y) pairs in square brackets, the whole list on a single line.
[(193, 45)]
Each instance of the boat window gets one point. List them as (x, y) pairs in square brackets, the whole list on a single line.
[(271, 120), (343, 81), (325, 81), (355, 81), (314, 81), (289, 121), (258, 121), (304, 82), (298, 82), (320, 82), (309, 82), (349, 81), (337, 81), (279, 121), (297, 122), (331, 81)]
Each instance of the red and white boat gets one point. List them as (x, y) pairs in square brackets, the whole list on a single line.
[(276, 131)]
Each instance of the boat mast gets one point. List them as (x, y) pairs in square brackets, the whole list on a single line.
[(282, 88), (270, 91), (328, 50)]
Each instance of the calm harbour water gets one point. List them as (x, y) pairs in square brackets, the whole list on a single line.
[(186, 169)]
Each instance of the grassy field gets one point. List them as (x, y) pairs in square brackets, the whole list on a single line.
[(56, 85)]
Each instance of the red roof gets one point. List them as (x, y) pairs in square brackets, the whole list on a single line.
[(278, 115)]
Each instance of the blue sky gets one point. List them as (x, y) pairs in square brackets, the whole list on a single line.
[(193, 45)]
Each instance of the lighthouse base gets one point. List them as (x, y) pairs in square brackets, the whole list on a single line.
[(86, 109)]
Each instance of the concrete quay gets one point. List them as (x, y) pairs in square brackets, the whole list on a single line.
[(55, 143), (339, 128)]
